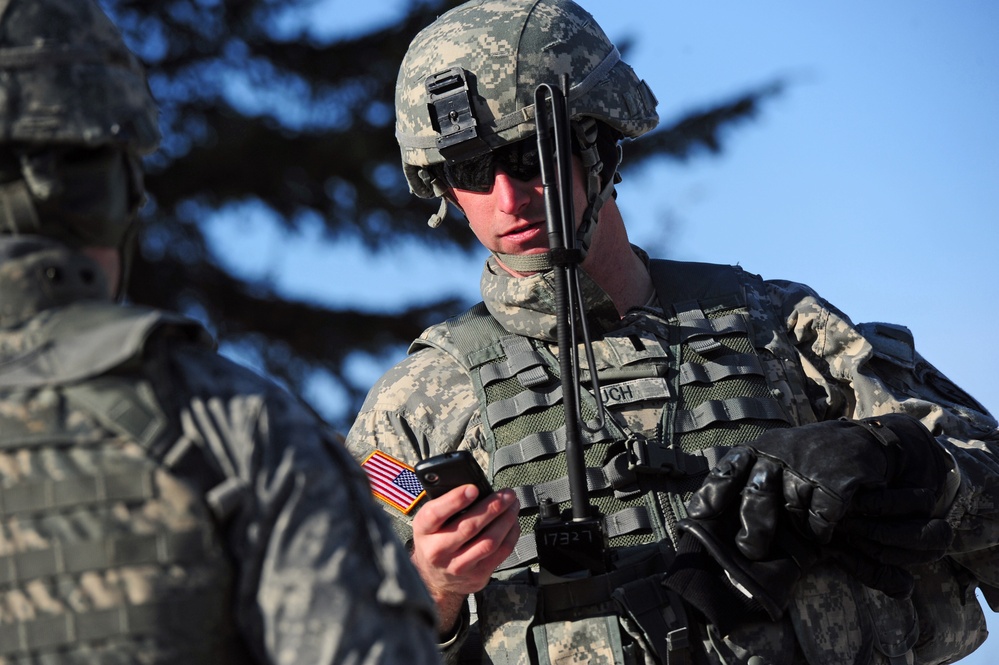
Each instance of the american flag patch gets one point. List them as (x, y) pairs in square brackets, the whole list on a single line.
[(393, 481)]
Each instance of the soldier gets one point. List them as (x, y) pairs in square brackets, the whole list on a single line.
[(158, 503), (851, 509)]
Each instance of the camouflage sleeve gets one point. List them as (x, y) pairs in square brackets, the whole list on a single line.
[(869, 369), (321, 578), (423, 406)]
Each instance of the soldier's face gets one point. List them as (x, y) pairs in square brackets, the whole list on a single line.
[(510, 217), (109, 260)]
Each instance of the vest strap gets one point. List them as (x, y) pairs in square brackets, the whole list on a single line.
[(728, 410), (617, 474), (126, 408), (523, 402), (538, 445), (524, 361), (738, 364), (558, 490), (472, 326), (529, 448), (699, 331), (75, 491), (123, 550), (65, 630), (696, 328)]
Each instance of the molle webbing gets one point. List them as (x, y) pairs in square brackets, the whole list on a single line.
[(614, 475), (518, 385), (727, 410), (97, 625), (521, 397), (521, 361), (102, 487), (537, 445), (723, 392), (111, 552), (701, 334), (720, 396), (737, 364), (86, 483)]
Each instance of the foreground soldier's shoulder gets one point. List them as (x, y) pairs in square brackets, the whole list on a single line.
[(424, 375)]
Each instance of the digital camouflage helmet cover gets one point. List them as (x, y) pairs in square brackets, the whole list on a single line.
[(501, 50)]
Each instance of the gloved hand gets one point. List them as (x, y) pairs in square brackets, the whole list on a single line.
[(742, 581), (889, 466), (840, 490)]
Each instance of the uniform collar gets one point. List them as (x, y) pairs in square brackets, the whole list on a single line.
[(526, 305)]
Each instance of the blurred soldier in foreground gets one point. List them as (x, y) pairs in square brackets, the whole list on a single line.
[(158, 504), (773, 483)]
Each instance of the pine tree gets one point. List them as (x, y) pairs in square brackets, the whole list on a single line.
[(300, 128)]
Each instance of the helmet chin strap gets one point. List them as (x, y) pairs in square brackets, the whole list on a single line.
[(596, 196)]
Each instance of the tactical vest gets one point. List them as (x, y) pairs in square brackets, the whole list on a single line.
[(714, 384), (107, 554), (725, 374)]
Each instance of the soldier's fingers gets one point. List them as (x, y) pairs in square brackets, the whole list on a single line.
[(723, 485), (435, 513), (762, 501), (505, 547), (492, 544)]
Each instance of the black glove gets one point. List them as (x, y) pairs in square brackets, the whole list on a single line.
[(842, 491), (889, 467), (710, 569)]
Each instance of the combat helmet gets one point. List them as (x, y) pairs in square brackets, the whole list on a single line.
[(76, 113), (467, 83)]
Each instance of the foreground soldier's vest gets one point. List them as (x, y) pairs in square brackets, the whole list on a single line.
[(106, 553), (722, 379)]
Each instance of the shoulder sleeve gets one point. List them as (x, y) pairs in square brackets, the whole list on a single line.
[(321, 578), (423, 406), (870, 369)]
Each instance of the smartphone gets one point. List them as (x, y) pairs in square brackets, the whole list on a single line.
[(442, 473)]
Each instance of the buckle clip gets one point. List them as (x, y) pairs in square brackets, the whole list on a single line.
[(646, 456)]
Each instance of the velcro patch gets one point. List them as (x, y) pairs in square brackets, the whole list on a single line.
[(393, 481), (636, 390)]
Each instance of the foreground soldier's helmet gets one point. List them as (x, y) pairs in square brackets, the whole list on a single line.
[(75, 114), (467, 82)]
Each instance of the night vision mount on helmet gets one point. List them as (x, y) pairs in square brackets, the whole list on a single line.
[(467, 84)]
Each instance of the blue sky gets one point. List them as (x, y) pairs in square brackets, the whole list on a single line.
[(874, 177)]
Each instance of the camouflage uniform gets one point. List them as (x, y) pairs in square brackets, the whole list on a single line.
[(819, 366), (718, 358), (158, 503)]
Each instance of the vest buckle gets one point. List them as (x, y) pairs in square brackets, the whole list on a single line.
[(646, 456)]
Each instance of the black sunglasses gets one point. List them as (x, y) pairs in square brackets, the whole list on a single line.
[(519, 160)]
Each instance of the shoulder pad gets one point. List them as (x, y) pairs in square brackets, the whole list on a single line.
[(88, 339)]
